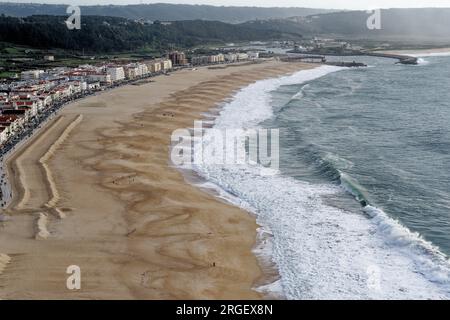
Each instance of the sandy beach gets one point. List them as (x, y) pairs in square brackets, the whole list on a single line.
[(94, 188)]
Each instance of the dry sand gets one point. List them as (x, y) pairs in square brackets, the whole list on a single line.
[(94, 188)]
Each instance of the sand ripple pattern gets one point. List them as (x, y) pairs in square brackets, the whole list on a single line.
[(4, 261), (51, 204), (135, 227)]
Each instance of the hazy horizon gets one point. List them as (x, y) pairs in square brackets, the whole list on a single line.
[(324, 4)]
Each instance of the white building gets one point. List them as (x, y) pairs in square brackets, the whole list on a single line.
[(62, 92), (132, 71), (166, 64), (57, 70), (4, 133), (154, 66), (136, 70), (217, 58), (46, 100), (242, 56), (78, 86), (253, 55), (231, 57), (116, 73), (143, 69), (31, 74), (99, 77), (93, 85)]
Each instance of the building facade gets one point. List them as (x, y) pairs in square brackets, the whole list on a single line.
[(178, 58), (116, 73), (31, 74)]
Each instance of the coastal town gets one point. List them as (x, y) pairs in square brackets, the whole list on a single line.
[(26, 102), (33, 96), (220, 151), (36, 96)]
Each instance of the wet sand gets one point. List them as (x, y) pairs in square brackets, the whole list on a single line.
[(94, 188)]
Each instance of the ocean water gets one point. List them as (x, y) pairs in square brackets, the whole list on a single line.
[(360, 208)]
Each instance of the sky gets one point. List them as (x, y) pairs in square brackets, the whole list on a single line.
[(334, 4)]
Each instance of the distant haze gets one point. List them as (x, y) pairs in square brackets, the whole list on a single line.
[(335, 4)]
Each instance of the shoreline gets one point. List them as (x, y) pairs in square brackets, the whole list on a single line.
[(263, 199), (269, 269), (420, 52), (128, 211), (269, 285)]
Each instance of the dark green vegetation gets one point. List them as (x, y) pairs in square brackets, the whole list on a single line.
[(12, 58), (16, 58), (162, 11), (109, 34), (427, 24), (25, 40)]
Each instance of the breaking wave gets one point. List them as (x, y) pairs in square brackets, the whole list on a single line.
[(323, 252)]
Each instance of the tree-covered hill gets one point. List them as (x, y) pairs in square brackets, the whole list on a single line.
[(106, 34), (162, 11)]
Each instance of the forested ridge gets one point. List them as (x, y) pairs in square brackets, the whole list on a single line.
[(106, 34)]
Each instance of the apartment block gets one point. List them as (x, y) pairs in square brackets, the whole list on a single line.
[(31, 74), (178, 58), (99, 77), (116, 73)]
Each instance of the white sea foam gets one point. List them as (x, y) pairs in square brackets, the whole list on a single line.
[(323, 252), (422, 61), (301, 93)]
